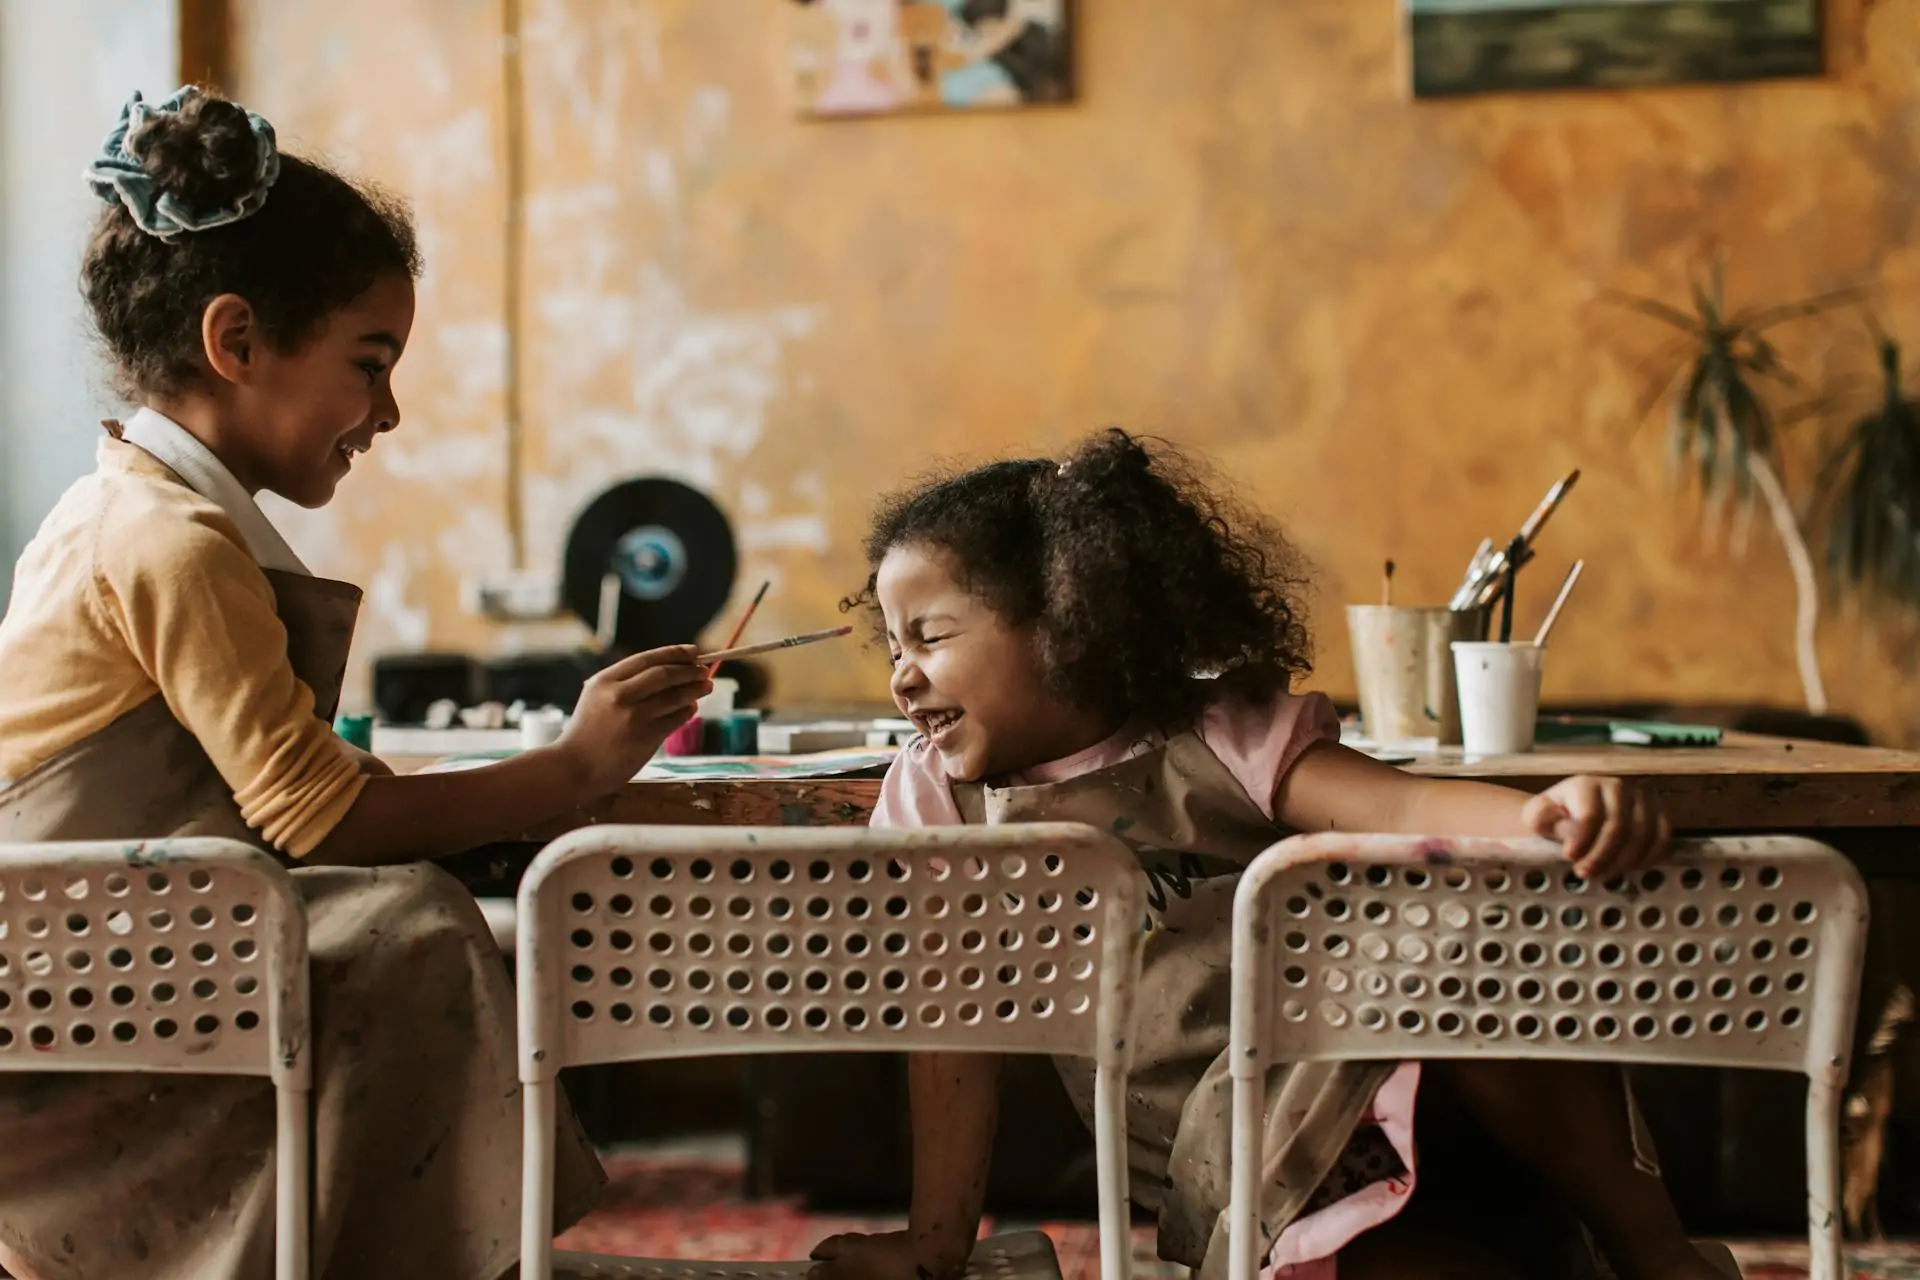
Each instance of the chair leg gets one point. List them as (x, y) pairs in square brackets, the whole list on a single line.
[(1110, 1146), (536, 1190), (1823, 1179), (1244, 1256), (293, 1193)]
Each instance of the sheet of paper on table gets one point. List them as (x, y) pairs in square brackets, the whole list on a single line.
[(1352, 738), (852, 762)]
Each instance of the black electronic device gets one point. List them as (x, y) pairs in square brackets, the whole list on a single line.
[(671, 550)]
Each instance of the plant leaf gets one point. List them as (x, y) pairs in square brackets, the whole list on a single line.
[(1652, 307), (1761, 318)]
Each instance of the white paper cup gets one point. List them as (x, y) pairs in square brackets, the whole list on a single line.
[(1405, 673), (718, 705), (1499, 695)]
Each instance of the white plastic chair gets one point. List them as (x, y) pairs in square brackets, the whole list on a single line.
[(664, 942), (182, 955), (1737, 953)]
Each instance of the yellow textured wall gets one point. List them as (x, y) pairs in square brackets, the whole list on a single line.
[(1375, 314)]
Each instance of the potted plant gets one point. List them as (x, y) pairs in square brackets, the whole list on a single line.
[(1714, 376), (1867, 500)]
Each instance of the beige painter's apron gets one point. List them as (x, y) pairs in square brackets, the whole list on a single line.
[(1194, 828), (416, 1095)]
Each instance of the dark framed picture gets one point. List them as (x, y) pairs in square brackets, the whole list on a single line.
[(1491, 46)]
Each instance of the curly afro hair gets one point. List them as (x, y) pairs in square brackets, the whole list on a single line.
[(1135, 573), (318, 242)]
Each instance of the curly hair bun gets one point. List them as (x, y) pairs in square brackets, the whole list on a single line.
[(1133, 565), (199, 201), (205, 154), (1106, 456)]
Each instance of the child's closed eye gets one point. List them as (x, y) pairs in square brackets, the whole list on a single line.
[(373, 369)]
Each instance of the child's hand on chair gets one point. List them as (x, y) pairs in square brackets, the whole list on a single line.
[(1606, 826)]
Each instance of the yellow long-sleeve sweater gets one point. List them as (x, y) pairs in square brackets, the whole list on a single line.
[(137, 587)]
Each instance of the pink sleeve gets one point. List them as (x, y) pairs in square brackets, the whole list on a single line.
[(1259, 741), (916, 792)]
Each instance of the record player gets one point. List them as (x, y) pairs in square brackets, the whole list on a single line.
[(648, 562)]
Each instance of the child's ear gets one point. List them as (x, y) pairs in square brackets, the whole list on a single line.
[(230, 338)]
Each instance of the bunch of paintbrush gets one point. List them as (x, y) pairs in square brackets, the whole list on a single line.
[(1490, 573)]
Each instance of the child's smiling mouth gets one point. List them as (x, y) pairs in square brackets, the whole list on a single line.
[(936, 722)]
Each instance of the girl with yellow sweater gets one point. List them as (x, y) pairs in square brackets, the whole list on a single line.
[(168, 667)]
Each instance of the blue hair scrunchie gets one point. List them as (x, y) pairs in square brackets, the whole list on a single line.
[(117, 175)]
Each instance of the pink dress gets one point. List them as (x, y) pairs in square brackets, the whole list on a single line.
[(1258, 745)]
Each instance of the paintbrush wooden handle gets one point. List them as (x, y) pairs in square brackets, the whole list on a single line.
[(739, 628), (771, 646), (1531, 529), (1559, 602)]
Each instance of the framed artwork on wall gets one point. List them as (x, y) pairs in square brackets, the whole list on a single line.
[(878, 57), (1488, 46)]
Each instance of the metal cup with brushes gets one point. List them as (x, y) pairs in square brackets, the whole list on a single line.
[(1491, 570), (1403, 656)]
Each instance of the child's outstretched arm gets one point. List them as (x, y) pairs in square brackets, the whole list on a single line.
[(625, 712), (1607, 825), (956, 1108)]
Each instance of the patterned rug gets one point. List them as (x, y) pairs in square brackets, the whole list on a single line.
[(678, 1207)]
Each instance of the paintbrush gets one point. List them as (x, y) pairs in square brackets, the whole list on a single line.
[(741, 625), (1514, 558), (1559, 602), (771, 646), (1483, 588), (607, 620), (1386, 585), (1480, 555), (1531, 529)]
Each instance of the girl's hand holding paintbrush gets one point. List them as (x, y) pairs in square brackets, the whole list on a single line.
[(627, 710)]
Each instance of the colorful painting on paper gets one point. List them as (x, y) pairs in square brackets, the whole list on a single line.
[(1482, 46), (874, 57)]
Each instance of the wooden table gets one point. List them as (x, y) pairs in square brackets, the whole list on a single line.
[(1749, 783), (1863, 801)]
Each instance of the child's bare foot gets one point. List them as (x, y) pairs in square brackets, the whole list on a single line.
[(861, 1257)]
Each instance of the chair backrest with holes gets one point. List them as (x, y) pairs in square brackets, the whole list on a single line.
[(172, 955), (1742, 953), (650, 942)]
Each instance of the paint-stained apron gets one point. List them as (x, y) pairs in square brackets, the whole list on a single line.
[(117, 1176), (1194, 829)]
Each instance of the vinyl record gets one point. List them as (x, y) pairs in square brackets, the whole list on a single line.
[(672, 550)]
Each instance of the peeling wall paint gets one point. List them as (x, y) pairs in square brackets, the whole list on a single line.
[(1376, 316)]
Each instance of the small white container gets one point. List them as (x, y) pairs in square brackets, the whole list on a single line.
[(1499, 695), (541, 728), (718, 705)]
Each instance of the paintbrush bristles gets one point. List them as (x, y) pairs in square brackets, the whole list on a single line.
[(1386, 585)]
